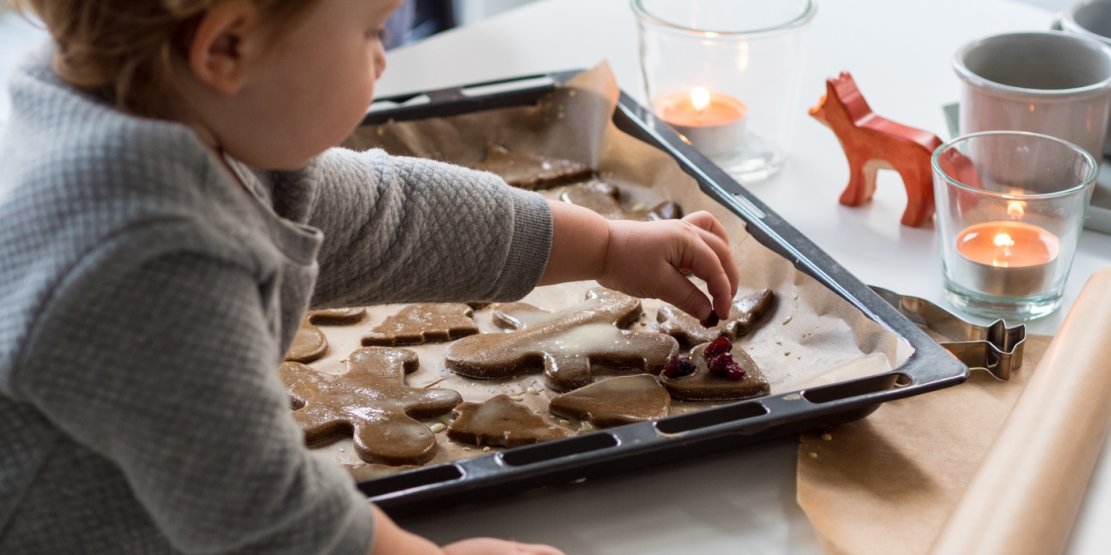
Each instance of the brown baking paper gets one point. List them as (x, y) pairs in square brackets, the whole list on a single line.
[(812, 336), (1000, 467)]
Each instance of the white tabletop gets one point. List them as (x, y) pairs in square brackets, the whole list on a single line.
[(743, 501)]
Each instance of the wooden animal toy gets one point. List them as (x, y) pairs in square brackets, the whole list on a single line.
[(872, 142)]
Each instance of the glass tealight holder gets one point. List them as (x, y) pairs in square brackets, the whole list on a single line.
[(1010, 208), (726, 74)]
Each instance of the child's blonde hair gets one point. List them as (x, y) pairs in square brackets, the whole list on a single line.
[(129, 48)]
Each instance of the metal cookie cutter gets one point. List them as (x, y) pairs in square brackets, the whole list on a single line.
[(995, 347)]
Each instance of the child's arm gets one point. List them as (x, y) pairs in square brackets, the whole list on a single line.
[(645, 259), (389, 539)]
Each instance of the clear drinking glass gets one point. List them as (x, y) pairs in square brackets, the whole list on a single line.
[(726, 75), (1010, 208)]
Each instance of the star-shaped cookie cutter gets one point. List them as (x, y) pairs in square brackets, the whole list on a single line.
[(995, 347)]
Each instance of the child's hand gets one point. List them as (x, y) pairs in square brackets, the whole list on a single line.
[(491, 546), (645, 259), (653, 259)]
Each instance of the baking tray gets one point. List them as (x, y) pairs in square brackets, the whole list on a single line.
[(634, 446)]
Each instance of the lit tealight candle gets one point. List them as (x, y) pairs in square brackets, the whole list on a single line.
[(1007, 259), (712, 122)]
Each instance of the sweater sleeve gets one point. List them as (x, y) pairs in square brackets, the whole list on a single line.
[(405, 229), (167, 367)]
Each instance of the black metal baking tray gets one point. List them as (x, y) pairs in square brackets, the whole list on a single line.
[(677, 437)]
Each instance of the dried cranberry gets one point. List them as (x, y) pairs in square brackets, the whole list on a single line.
[(718, 347), (725, 367), (711, 320), (678, 367)]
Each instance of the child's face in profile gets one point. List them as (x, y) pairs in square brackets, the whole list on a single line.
[(311, 87)]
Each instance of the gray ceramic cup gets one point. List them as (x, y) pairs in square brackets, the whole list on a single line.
[(1050, 82), (1093, 20)]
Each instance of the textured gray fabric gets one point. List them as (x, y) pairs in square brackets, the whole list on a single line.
[(145, 303)]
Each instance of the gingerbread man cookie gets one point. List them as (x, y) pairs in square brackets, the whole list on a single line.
[(715, 371), (310, 343), (563, 344), (501, 423), (743, 315), (614, 401), (372, 401), (424, 323)]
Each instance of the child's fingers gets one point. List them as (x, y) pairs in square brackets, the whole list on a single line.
[(537, 549), (705, 263), (677, 290), (707, 221), (725, 256), (711, 227)]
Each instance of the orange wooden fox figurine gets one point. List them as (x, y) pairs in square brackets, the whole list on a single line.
[(872, 142)]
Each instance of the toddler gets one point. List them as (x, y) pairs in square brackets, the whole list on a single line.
[(170, 205)]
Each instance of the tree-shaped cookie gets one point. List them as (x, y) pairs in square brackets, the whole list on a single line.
[(424, 323), (309, 343), (500, 422), (564, 344), (370, 401), (716, 371), (743, 315), (614, 401)]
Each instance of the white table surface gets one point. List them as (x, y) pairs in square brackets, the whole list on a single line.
[(740, 501), (743, 501)]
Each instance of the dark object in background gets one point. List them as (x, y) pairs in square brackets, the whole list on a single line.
[(417, 19)]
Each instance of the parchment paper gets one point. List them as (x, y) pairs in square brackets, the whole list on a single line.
[(813, 336), (985, 467)]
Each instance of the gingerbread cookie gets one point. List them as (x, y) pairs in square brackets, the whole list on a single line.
[(565, 344), (743, 316), (424, 323), (666, 210), (605, 199), (531, 171), (501, 423), (727, 373), (614, 401), (369, 471), (371, 401), (336, 316), (596, 195), (309, 343)]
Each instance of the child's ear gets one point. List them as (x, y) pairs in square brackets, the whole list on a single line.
[(217, 52)]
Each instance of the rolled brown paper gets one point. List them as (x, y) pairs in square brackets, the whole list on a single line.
[(1025, 494)]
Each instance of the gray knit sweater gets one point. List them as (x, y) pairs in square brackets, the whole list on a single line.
[(146, 300)]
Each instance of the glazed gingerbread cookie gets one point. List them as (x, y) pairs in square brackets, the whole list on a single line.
[(743, 316), (715, 371), (370, 401), (614, 401), (564, 345), (424, 323), (531, 171), (309, 343), (500, 422)]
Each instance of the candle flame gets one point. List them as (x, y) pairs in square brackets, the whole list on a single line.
[(1003, 239), (700, 98), (1016, 208)]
